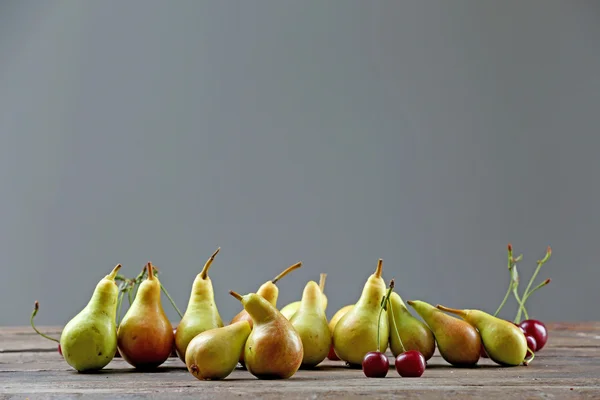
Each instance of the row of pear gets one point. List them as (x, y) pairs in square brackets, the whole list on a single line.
[(272, 343)]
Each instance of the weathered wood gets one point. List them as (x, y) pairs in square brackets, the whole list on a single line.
[(568, 367)]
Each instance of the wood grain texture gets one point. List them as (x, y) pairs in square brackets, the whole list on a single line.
[(567, 368)]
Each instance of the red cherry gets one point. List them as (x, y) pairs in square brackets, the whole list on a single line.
[(375, 364), (410, 364), (531, 344), (331, 355), (537, 329), (59, 349)]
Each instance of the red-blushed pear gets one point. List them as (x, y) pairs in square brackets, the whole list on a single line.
[(459, 343), (274, 348), (145, 336)]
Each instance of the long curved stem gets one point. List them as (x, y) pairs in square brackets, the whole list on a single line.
[(539, 266), (521, 307), (171, 300), (541, 285), (504, 300), (395, 327), (36, 307), (526, 361), (287, 271), (204, 272), (384, 302)]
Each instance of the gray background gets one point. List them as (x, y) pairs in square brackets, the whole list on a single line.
[(428, 133)]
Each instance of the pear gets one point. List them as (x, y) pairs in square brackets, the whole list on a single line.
[(504, 342), (269, 291), (145, 336), (89, 341), (332, 323), (274, 348), (458, 342), (201, 313), (338, 315), (310, 322), (415, 335), (214, 353), (289, 310), (355, 334)]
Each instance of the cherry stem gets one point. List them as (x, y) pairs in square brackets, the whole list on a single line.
[(541, 285), (384, 301), (504, 300), (537, 270), (395, 327), (526, 361), (204, 272), (286, 271), (36, 307), (120, 302), (527, 292), (521, 304), (514, 274), (171, 300)]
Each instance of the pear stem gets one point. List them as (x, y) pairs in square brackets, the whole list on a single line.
[(384, 302), (286, 271), (322, 279), (36, 307), (113, 274), (171, 300), (204, 272), (504, 300), (150, 271), (396, 328), (379, 268), (236, 295), (461, 313)]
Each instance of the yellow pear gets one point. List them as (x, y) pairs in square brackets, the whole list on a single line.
[(201, 313), (289, 310), (355, 334), (310, 322)]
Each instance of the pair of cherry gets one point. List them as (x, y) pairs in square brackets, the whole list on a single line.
[(410, 364)]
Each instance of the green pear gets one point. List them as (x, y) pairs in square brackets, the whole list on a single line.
[(504, 342), (201, 313), (458, 342), (274, 348), (415, 335), (214, 353), (289, 310), (89, 340), (310, 322), (355, 334)]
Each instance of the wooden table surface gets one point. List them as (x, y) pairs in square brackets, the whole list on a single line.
[(568, 367)]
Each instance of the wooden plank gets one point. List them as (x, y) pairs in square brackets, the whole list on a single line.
[(569, 367)]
